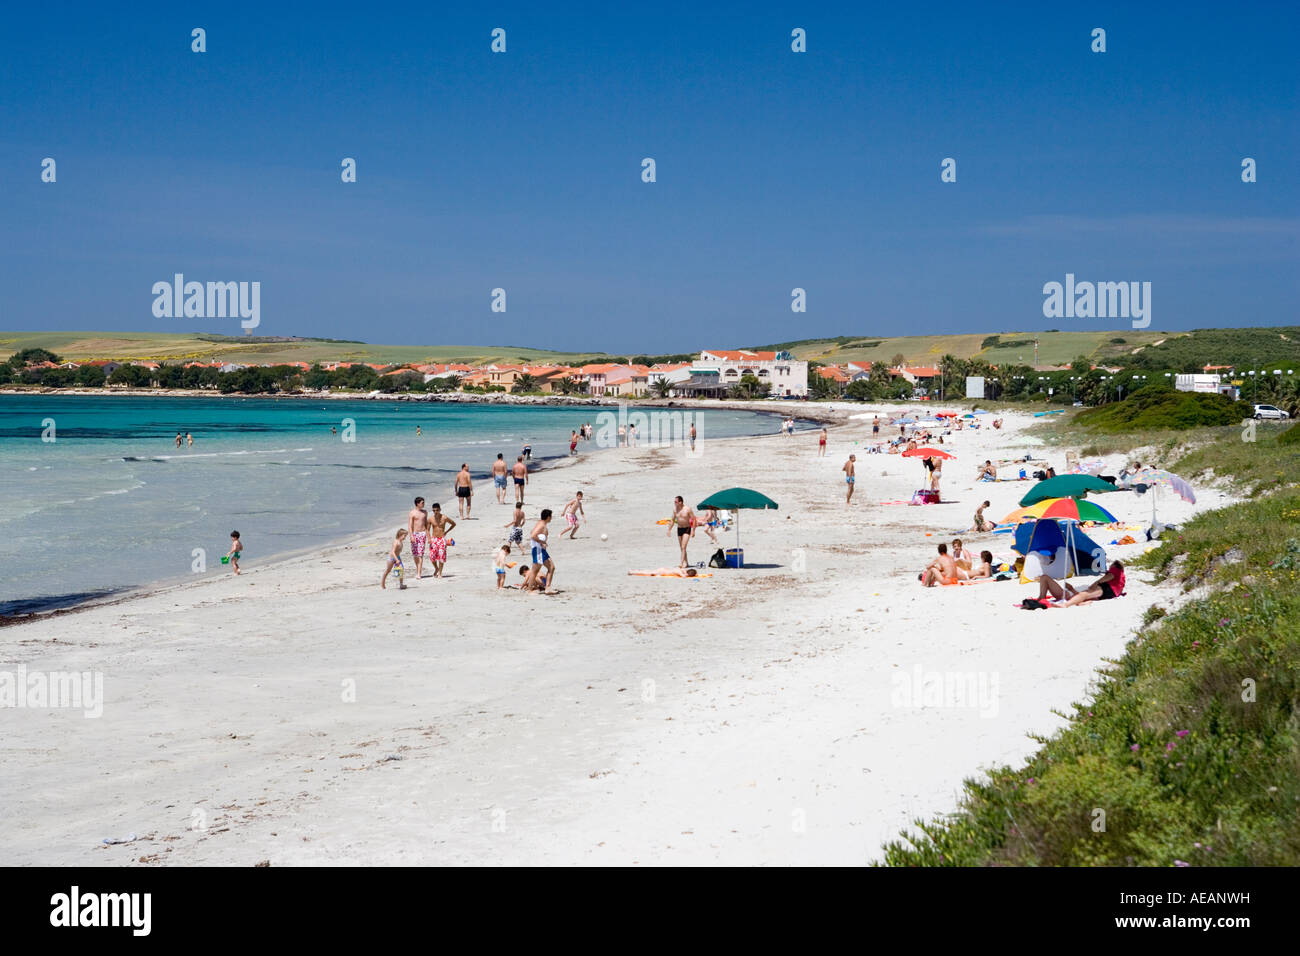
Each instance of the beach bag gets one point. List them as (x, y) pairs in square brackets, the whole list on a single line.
[(719, 560)]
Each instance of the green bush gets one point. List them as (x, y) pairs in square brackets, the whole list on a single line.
[(1159, 407)]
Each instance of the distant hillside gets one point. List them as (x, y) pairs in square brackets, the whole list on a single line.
[(1054, 348), (254, 350), (1158, 349)]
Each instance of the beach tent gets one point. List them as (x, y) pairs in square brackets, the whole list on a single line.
[(734, 499), (1057, 547), (1065, 486)]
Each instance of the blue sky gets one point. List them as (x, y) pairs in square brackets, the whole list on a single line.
[(522, 170)]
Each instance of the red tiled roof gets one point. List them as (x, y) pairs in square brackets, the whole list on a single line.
[(742, 355)]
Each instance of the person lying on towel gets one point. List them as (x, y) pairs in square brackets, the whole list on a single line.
[(1109, 585)]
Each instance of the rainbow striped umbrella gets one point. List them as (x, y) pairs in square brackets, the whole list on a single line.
[(1062, 509)]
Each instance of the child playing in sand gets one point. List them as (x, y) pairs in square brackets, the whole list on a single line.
[(395, 561), (236, 549), (500, 563), (534, 578)]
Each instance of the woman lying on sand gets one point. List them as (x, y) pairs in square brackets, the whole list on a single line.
[(667, 573), (1109, 585)]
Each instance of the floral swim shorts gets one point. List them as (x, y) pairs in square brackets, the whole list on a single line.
[(418, 540), (437, 549)]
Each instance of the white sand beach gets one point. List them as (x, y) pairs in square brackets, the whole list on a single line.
[(751, 717)]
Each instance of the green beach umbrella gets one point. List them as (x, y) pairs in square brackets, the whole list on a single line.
[(735, 499), (1065, 486)]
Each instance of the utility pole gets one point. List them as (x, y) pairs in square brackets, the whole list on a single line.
[(1035, 351)]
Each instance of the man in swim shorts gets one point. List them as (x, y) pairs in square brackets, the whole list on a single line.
[(540, 555), (440, 526), (464, 486), (683, 520), (821, 444), (499, 477), (850, 476), (942, 570), (520, 473), (417, 527)]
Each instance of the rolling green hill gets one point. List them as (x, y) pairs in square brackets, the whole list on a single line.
[(162, 346), (1054, 348)]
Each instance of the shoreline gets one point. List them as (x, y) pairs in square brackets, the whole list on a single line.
[(123, 595), (809, 410)]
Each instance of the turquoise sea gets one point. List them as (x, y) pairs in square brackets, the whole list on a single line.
[(111, 504)]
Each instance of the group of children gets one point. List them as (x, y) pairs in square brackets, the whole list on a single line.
[(539, 576)]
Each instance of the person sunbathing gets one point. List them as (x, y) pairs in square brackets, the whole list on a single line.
[(987, 472), (1109, 585), (942, 570), (985, 568), (982, 524), (667, 573)]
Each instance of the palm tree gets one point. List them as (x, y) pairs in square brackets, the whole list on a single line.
[(661, 387), (524, 383)]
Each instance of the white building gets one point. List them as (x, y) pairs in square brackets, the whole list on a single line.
[(787, 376)]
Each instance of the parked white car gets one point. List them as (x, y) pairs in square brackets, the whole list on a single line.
[(1270, 411)]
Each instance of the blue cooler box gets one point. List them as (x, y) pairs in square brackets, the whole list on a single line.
[(735, 557)]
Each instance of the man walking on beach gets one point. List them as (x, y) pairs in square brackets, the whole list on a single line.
[(520, 473), (464, 486), (417, 527), (440, 526), (850, 476), (692, 436), (499, 477), (821, 444), (684, 521)]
